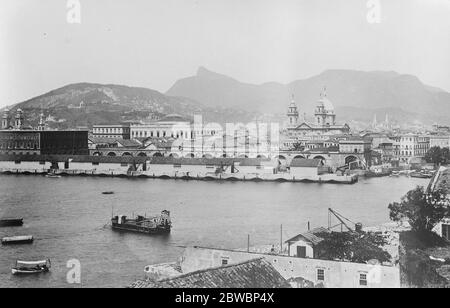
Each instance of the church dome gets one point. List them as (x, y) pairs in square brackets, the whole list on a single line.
[(326, 103)]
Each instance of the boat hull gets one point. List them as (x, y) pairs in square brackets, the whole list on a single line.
[(11, 222), (16, 271), (140, 229), (17, 240)]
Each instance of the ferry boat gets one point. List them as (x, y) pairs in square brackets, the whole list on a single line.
[(31, 267), (148, 225)]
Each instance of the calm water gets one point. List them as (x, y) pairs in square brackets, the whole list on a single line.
[(67, 218)]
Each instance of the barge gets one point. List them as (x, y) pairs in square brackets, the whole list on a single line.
[(11, 222), (24, 239), (141, 224)]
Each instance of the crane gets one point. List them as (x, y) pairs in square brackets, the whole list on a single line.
[(342, 221)]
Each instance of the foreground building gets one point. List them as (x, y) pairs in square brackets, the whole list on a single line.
[(297, 271), (254, 273)]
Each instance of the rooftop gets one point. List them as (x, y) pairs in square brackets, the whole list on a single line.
[(310, 236), (255, 273)]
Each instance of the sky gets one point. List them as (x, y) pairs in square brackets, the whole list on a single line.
[(153, 43)]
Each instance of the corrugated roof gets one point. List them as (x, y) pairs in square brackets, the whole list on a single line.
[(310, 236), (256, 273), (306, 163)]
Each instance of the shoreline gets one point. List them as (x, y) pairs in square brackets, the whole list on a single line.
[(188, 176)]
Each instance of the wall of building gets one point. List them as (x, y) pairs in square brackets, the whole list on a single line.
[(304, 172), (292, 249), (337, 274)]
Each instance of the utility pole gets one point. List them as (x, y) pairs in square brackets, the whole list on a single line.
[(281, 238), (248, 243)]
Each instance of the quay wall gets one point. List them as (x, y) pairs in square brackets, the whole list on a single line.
[(143, 168), (337, 274)]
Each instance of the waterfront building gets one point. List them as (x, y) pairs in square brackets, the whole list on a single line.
[(31, 142), (325, 120), (170, 126), (407, 146), (117, 131), (441, 141)]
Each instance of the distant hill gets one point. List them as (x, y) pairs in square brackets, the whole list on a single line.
[(364, 93), (86, 104)]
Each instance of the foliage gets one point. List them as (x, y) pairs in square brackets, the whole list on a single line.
[(352, 246), (422, 210), (438, 156), (297, 147)]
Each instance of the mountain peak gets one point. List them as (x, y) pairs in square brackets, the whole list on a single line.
[(203, 72)]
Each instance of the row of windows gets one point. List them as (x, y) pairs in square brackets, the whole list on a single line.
[(110, 130), (19, 145), (362, 277)]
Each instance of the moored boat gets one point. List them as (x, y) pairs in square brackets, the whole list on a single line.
[(31, 267), (11, 222), (148, 225), (22, 239)]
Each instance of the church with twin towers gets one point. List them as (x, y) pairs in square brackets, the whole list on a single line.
[(324, 119)]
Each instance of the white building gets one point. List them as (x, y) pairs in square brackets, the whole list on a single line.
[(303, 245)]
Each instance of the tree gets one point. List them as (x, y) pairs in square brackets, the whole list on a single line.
[(297, 147), (352, 246), (438, 156), (422, 210)]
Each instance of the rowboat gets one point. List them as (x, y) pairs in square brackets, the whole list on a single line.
[(31, 267), (53, 176), (23, 239)]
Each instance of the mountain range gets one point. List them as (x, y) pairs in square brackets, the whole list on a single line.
[(357, 97), (364, 94)]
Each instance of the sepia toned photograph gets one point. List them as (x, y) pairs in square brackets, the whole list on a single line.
[(213, 147)]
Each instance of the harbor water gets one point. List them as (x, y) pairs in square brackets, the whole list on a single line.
[(68, 218)]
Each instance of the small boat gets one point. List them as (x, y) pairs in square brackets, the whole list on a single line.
[(23, 239), (152, 225), (108, 193), (11, 222), (53, 176), (421, 175), (31, 267)]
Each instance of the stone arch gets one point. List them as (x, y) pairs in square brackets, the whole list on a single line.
[(190, 155), (281, 157), (157, 154), (260, 156), (243, 156), (174, 155), (299, 156), (97, 154), (350, 159), (127, 154), (320, 157), (111, 154), (142, 154), (207, 156)]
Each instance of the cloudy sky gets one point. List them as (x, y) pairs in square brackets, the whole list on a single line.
[(152, 43)]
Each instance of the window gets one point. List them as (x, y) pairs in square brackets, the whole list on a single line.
[(95, 163), (17, 162), (225, 260), (363, 279), (320, 274), (42, 163), (177, 166)]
